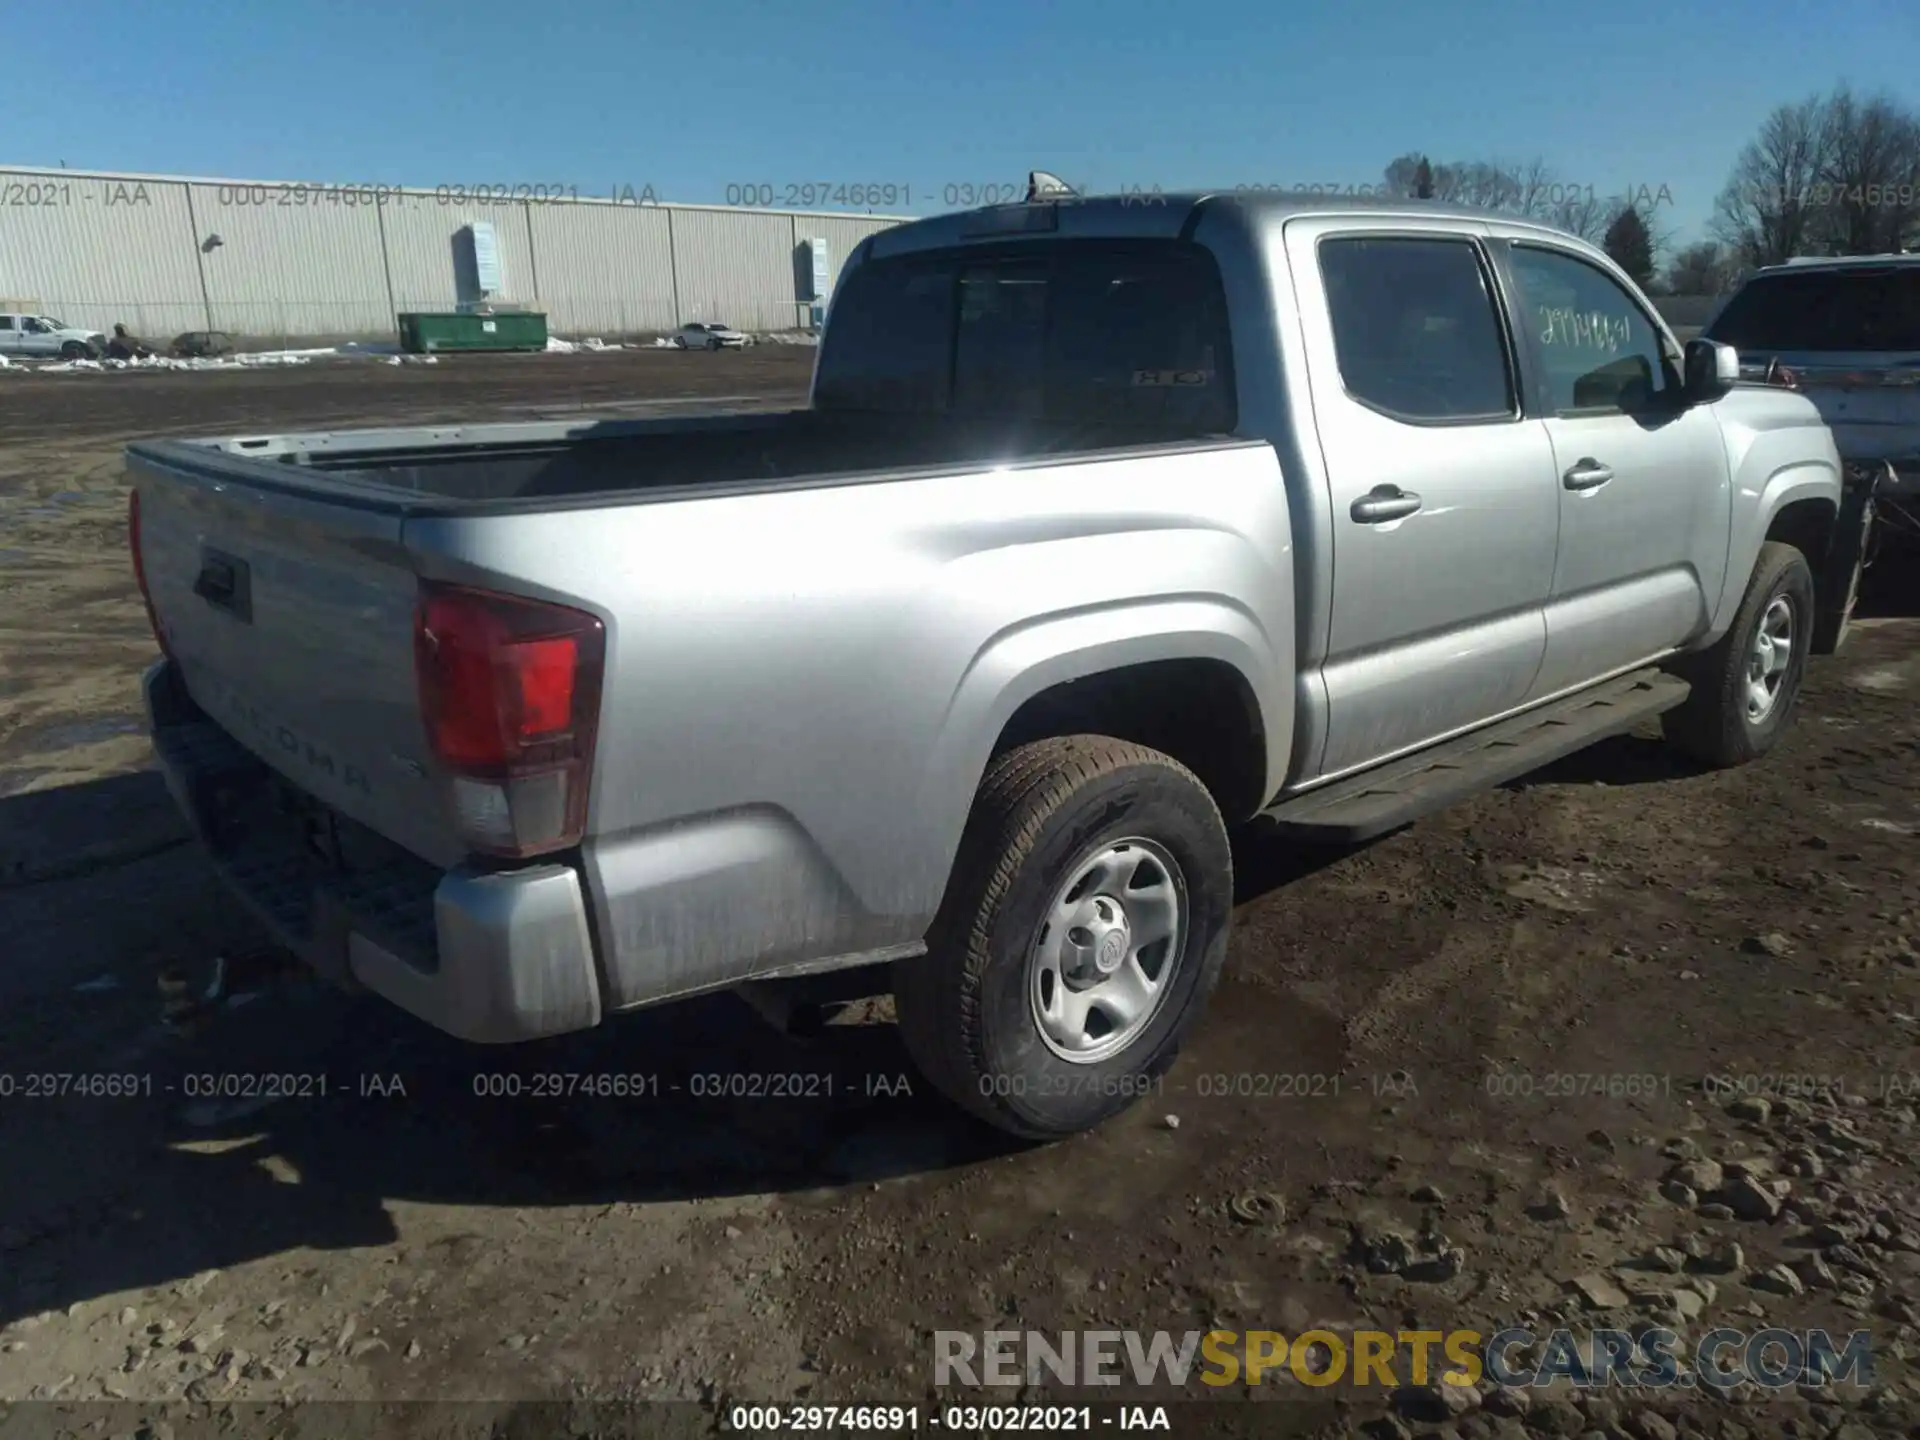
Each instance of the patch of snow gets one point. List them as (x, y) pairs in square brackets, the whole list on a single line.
[(557, 346), (5, 364), (789, 337), (1892, 827), (1884, 677)]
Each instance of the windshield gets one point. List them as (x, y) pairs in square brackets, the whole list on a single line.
[(1825, 310), (1131, 332)]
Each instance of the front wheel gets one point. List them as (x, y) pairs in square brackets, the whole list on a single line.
[(1084, 926), (74, 350), (1746, 683)]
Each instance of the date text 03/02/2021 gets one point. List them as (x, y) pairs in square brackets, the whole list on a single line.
[(958, 1419)]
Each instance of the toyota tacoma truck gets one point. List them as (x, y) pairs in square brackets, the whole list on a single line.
[(1107, 528)]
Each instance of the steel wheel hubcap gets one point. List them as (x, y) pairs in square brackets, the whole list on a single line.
[(1108, 950), (1768, 660)]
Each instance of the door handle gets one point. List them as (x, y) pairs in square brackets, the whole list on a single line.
[(1587, 474), (1384, 503)]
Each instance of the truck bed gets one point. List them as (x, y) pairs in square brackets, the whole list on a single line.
[(286, 569), (529, 465)]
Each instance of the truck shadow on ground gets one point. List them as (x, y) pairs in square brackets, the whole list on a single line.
[(299, 1120), (1890, 587), (290, 1117), (293, 1116)]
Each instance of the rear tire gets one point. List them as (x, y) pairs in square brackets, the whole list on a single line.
[(1744, 690), (1083, 928)]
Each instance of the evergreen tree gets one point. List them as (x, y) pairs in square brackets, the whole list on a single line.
[(1631, 247)]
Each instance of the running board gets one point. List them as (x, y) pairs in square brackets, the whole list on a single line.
[(1376, 801)]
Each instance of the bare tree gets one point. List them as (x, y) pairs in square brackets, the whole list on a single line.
[(1865, 198), (1700, 269), (1404, 177), (1581, 212), (1531, 189), (1837, 175), (1765, 212)]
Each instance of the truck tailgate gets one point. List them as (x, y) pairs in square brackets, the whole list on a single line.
[(288, 609)]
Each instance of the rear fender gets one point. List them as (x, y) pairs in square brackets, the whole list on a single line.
[(1021, 662)]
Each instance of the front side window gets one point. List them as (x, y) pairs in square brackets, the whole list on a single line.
[(1131, 333), (1598, 349), (1416, 329)]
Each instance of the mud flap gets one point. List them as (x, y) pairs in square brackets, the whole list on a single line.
[(1838, 583)]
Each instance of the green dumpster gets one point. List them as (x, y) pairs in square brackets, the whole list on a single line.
[(425, 333)]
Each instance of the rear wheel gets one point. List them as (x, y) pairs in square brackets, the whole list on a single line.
[(1083, 929), (1745, 685)]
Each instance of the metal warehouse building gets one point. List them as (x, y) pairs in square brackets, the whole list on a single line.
[(281, 259)]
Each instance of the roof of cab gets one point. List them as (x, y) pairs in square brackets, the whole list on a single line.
[(1157, 214), (1841, 262)]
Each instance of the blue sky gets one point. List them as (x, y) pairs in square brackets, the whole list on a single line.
[(690, 98)]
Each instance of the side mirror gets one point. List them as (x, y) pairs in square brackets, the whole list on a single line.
[(1711, 370)]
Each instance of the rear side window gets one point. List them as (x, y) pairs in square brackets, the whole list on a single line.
[(1863, 308), (1416, 329), (1065, 330), (6, 322)]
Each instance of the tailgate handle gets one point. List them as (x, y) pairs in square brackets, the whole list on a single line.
[(222, 582)]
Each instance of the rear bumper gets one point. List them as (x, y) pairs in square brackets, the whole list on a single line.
[(491, 956)]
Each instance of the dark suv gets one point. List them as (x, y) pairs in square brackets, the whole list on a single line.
[(1847, 333)]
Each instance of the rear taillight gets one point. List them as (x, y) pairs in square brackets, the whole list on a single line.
[(510, 693), (140, 571)]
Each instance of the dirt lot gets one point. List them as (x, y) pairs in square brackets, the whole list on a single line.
[(1408, 1106)]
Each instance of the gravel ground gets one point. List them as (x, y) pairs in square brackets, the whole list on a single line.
[(1408, 1106)]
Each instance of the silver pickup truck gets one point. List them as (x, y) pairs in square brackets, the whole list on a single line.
[(1110, 526)]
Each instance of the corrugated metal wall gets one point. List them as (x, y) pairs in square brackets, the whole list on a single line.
[(605, 269), (92, 251), (305, 260), (286, 266)]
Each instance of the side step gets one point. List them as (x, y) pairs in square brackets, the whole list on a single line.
[(1376, 801)]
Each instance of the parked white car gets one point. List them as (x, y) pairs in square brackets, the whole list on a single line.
[(44, 335), (711, 335)]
